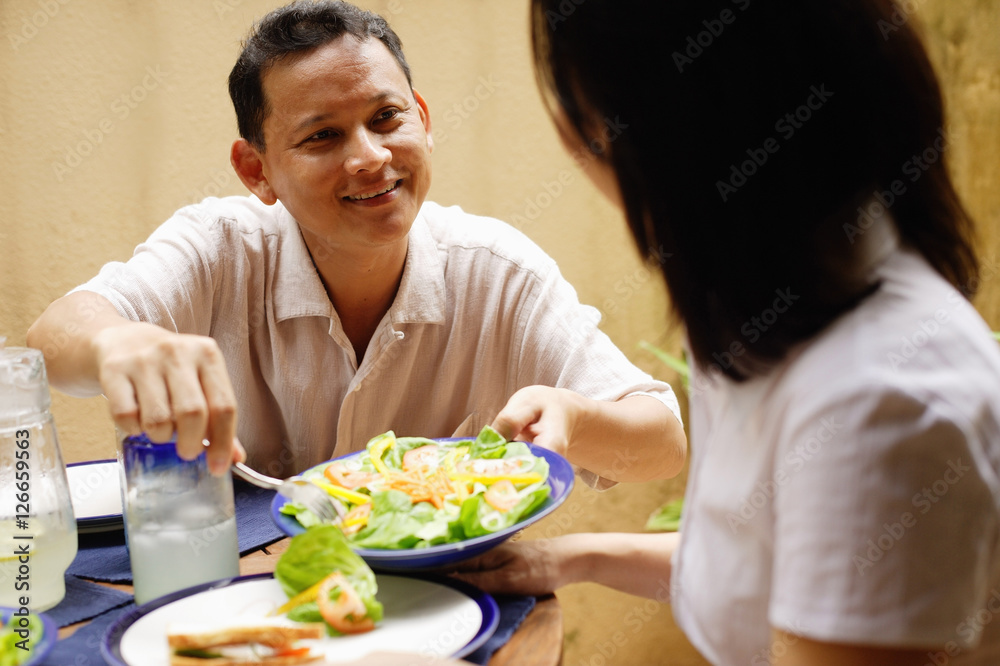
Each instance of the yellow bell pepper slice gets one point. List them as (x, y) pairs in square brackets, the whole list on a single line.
[(452, 457), (303, 597), (516, 479), (378, 447), (342, 493)]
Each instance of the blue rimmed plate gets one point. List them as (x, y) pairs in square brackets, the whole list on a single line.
[(44, 645), (95, 488), (424, 615), (561, 477)]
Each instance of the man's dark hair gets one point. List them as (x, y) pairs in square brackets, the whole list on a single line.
[(295, 29), (744, 137)]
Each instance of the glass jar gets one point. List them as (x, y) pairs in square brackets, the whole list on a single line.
[(180, 520), (37, 525)]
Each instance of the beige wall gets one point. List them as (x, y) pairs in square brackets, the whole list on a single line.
[(113, 113)]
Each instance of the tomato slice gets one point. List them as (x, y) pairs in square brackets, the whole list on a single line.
[(293, 652), (502, 495), (338, 473), (347, 614), (421, 458)]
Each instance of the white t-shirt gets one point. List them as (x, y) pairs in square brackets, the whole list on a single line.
[(852, 494), (481, 312)]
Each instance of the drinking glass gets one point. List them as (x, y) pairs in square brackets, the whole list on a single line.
[(180, 520), (37, 525)]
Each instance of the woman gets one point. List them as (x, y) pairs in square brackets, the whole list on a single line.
[(787, 158)]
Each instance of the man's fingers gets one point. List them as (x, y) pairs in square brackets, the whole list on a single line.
[(155, 414), (221, 416), (122, 403), (514, 419), (190, 410)]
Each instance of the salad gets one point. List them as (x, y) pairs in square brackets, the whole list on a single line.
[(414, 492), (17, 644), (328, 582)]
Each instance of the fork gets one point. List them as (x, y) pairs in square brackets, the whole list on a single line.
[(296, 489)]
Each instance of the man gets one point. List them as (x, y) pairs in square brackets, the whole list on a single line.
[(335, 304)]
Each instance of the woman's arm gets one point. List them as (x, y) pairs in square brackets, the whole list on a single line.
[(637, 564)]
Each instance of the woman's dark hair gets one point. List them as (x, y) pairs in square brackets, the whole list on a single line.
[(297, 28), (750, 140)]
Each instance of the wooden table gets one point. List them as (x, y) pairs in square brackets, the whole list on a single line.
[(537, 642)]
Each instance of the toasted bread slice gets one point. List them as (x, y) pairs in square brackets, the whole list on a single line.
[(182, 660), (271, 634)]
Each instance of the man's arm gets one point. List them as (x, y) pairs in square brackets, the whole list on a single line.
[(156, 381), (636, 438)]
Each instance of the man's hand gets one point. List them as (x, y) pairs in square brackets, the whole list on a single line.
[(636, 438), (156, 381), (159, 382)]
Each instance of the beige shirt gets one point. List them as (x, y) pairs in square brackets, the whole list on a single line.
[(481, 312)]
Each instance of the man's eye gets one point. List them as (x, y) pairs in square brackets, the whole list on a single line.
[(321, 135), (387, 114)]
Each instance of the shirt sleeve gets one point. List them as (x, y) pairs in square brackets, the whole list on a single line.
[(169, 279), (561, 345), (885, 528)]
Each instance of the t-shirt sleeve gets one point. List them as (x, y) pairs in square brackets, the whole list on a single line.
[(885, 530), (561, 345), (169, 279)]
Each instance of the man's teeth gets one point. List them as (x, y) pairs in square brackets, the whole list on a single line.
[(362, 197)]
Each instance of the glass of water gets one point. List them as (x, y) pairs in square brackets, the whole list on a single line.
[(180, 520)]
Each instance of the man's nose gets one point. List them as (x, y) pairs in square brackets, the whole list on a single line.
[(365, 152)]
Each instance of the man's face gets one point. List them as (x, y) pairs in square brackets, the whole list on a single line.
[(347, 145)]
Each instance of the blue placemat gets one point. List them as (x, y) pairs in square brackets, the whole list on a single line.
[(85, 600), (104, 556), (513, 610), (83, 648)]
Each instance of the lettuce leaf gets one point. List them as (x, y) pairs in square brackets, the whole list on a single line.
[(478, 518), (488, 444), (315, 554)]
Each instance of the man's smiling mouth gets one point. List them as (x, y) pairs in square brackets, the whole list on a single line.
[(371, 195)]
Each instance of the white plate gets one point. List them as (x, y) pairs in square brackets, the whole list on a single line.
[(95, 488), (435, 617)]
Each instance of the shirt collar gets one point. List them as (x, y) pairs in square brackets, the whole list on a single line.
[(298, 290), (421, 296)]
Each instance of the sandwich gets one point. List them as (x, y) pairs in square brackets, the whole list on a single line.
[(274, 643)]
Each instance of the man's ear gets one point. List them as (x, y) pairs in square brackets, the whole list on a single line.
[(425, 117), (246, 161)]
